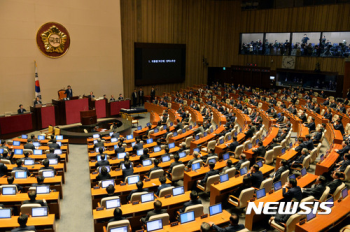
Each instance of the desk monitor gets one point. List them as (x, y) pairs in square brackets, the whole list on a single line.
[(98, 157), (290, 144), (303, 172), (330, 200), (171, 145), (49, 173), (229, 137), (59, 143), (344, 193), (106, 166), (196, 166), (164, 127), (235, 133), (165, 158), (155, 225), (53, 161), (211, 130), (156, 130), (187, 217), (178, 191), (18, 151), (41, 137), (182, 154), (292, 176), (205, 134), (174, 133), (257, 141), (250, 145), (121, 155), (59, 137), (241, 130), (263, 137), (123, 166), (226, 156), (111, 204), (43, 189), (95, 136), (217, 126), (322, 157), (310, 216), (183, 130), (196, 137), (40, 211), (139, 128), (147, 197), (110, 133), (148, 124), (37, 152), (128, 137), (260, 193), (95, 141), (11, 190), (243, 171), (20, 174), (212, 160), (283, 151), (28, 162), (215, 209), (119, 229), (221, 141), (16, 143), (97, 149), (195, 124), (113, 140), (36, 144), (277, 186), (196, 149), (5, 213), (146, 162), (224, 178), (190, 127), (133, 179), (156, 149), (260, 163), (133, 144), (105, 183), (1, 150), (58, 152), (24, 136), (149, 141), (139, 152)]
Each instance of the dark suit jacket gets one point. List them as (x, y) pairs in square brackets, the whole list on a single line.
[(3, 170), (328, 116), (29, 146), (119, 150), (162, 187), (98, 144), (316, 191), (138, 146), (128, 172), (190, 203), (339, 127), (279, 172), (173, 164), (35, 202), (102, 163), (249, 133), (300, 159), (309, 145), (294, 192), (52, 156), (26, 228), (21, 169), (207, 175), (136, 191), (318, 136), (152, 213), (344, 150), (21, 111), (69, 93), (256, 179), (283, 136), (344, 165), (233, 146), (116, 219), (153, 169), (239, 163), (102, 177), (260, 151), (311, 126), (334, 185), (179, 126), (54, 146)]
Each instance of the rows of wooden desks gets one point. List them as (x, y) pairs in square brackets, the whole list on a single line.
[(330, 160), (42, 224), (206, 139)]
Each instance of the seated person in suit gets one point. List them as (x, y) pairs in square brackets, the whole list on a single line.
[(46, 164), (232, 147), (234, 226), (117, 215), (22, 221), (179, 125), (260, 151), (19, 167), (3, 169), (111, 190), (335, 183), (283, 167), (156, 163), (10, 180), (342, 165), (37, 101), (26, 156), (282, 136), (195, 158), (175, 163), (102, 162), (299, 161), (104, 175), (145, 154), (228, 166), (205, 227), (210, 154), (21, 110), (294, 191), (128, 171), (139, 189), (242, 159), (311, 125), (52, 154), (54, 145), (339, 126), (281, 219), (29, 145), (317, 136), (157, 210), (317, 190), (249, 133), (247, 183), (256, 176), (138, 145), (208, 174), (194, 201), (182, 147), (120, 148), (32, 199), (99, 143), (6, 156), (40, 181), (162, 185), (120, 98)]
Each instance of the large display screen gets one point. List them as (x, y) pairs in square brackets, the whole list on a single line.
[(159, 63)]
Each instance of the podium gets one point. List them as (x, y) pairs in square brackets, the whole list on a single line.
[(43, 116), (88, 117)]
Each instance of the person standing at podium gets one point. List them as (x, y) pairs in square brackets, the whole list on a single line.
[(141, 97), (134, 98), (37, 101), (21, 110), (91, 95), (153, 94), (69, 92)]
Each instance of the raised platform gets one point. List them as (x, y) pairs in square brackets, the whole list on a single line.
[(76, 134)]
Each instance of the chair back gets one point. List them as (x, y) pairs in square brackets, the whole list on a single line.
[(103, 200), (5, 161), (116, 224), (61, 94), (178, 172), (30, 151), (150, 132), (126, 178), (306, 162), (231, 172), (337, 191), (168, 137), (292, 221), (166, 191), (212, 157), (188, 142), (245, 164), (211, 180), (8, 185), (313, 155), (324, 194), (277, 151), (198, 210), (238, 151), (156, 174), (267, 184), (269, 157), (347, 173), (308, 199), (137, 196), (244, 197), (211, 145), (27, 208), (284, 177), (163, 216)]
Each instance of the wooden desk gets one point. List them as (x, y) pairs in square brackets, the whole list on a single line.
[(42, 224), (192, 176), (209, 137), (110, 146), (177, 139), (52, 200), (161, 133), (327, 164), (340, 210), (252, 218), (218, 192), (63, 157), (55, 183), (289, 155), (143, 131)]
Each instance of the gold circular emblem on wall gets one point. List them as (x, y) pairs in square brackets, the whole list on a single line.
[(53, 40)]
